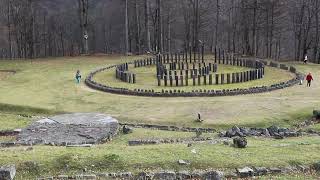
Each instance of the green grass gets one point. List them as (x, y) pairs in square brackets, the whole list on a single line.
[(315, 127), (291, 177), (46, 86), (118, 155), (11, 121), (146, 79)]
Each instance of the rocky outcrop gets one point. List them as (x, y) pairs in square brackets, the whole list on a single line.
[(272, 131), (7, 172), (240, 142), (70, 129)]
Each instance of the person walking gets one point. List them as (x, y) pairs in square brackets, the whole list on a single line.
[(309, 78), (305, 59), (78, 77)]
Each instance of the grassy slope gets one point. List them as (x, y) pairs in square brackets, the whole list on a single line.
[(46, 87), (48, 84), (117, 155)]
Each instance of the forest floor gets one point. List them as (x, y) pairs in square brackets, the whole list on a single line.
[(45, 87)]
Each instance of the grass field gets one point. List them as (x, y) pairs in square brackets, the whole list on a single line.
[(48, 85), (118, 155), (45, 87), (146, 79)]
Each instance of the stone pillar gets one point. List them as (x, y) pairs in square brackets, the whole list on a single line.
[(233, 78), (219, 58), (245, 76), (186, 80), (165, 81), (238, 77), (217, 78), (194, 80), (133, 78), (130, 78), (215, 55), (199, 80), (222, 78), (228, 78), (223, 57), (181, 80), (159, 81), (177, 80), (171, 81)]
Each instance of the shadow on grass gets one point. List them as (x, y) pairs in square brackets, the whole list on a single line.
[(25, 110)]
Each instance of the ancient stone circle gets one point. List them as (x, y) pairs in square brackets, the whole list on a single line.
[(183, 69)]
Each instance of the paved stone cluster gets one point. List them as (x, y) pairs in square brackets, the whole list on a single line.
[(70, 129)]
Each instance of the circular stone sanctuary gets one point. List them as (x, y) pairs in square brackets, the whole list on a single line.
[(189, 74), (70, 129)]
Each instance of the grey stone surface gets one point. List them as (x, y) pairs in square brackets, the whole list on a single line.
[(7, 172), (70, 129)]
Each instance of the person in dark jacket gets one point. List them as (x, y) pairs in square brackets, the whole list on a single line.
[(309, 78)]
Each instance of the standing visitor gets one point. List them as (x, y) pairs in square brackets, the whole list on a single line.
[(78, 77), (305, 59), (309, 78)]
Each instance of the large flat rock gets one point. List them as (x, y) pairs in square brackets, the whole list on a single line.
[(70, 129)]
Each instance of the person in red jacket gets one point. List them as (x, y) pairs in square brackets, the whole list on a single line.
[(309, 78)]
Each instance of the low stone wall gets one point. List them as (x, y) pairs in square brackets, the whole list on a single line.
[(244, 172), (272, 131), (170, 128)]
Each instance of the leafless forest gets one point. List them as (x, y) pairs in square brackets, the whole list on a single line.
[(278, 29)]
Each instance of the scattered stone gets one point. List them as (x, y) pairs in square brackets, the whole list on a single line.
[(168, 175), (7, 172), (273, 130), (86, 176), (63, 177), (143, 176), (316, 166), (182, 175), (189, 144), (213, 175), (81, 145), (266, 132), (260, 171), (183, 162), (198, 133), (275, 170), (245, 172), (240, 142), (194, 151), (127, 130), (316, 114)]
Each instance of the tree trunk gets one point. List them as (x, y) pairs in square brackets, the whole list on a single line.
[(147, 28), (126, 28)]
